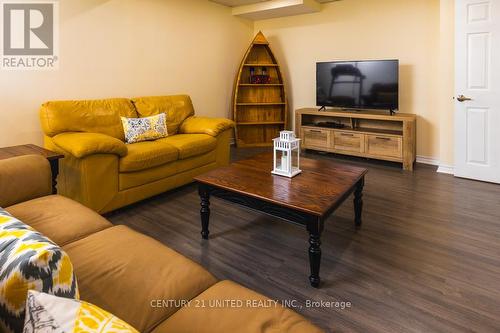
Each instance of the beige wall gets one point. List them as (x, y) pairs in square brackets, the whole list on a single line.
[(119, 48), (447, 81), (408, 30), (153, 47)]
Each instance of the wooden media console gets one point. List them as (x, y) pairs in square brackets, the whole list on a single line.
[(370, 134)]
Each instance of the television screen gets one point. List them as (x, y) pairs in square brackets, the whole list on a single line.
[(358, 84)]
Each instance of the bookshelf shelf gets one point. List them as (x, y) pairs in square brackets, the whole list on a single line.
[(260, 105)]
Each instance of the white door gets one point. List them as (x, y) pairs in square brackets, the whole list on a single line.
[(477, 87)]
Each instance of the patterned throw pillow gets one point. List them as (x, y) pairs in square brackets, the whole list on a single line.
[(143, 129), (29, 260), (48, 313)]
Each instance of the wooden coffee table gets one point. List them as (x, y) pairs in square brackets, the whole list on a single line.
[(308, 199)]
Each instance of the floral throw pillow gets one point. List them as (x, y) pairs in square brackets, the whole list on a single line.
[(144, 129)]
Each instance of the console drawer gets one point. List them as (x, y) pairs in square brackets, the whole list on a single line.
[(319, 138), (382, 145), (348, 141)]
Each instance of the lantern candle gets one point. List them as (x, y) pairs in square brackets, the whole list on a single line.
[(285, 148)]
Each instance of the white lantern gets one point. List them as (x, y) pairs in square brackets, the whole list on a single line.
[(286, 155)]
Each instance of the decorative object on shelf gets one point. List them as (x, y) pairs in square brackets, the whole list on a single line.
[(286, 155), (260, 107), (262, 78)]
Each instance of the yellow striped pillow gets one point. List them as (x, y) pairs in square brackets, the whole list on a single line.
[(46, 312)]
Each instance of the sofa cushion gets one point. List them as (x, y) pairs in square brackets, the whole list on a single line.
[(59, 218), (147, 154), (190, 145), (23, 178), (204, 125), (125, 272), (133, 179), (94, 116), (176, 107), (29, 260), (81, 145), (242, 314)]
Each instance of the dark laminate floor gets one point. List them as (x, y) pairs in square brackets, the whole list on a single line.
[(426, 260)]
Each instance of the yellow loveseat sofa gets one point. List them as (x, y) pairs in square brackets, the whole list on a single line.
[(104, 173)]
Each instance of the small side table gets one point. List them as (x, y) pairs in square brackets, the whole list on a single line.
[(52, 157)]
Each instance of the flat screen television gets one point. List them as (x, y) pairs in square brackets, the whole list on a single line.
[(369, 84)]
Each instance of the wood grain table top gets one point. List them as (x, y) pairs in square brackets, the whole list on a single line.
[(320, 186), (29, 149)]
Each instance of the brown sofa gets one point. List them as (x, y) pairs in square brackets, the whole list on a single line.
[(129, 274)]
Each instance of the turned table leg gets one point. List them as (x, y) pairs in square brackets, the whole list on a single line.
[(54, 168), (205, 210), (314, 259), (358, 201), (315, 228)]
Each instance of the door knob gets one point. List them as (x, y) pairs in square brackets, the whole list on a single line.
[(462, 98)]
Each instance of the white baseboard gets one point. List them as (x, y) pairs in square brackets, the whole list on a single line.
[(449, 169), (427, 160), (442, 168)]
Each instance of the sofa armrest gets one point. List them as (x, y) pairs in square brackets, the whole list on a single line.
[(24, 178), (203, 125), (83, 144)]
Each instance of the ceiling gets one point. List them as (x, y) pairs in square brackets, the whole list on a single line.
[(236, 3), (266, 9)]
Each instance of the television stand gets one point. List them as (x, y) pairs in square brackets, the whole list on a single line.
[(367, 134), (352, 110), (391, 111), (323, 107)]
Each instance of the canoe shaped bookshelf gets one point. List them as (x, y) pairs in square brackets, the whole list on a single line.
[(260, 107)]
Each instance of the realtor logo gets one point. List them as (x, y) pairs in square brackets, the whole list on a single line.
[(29, 35)]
